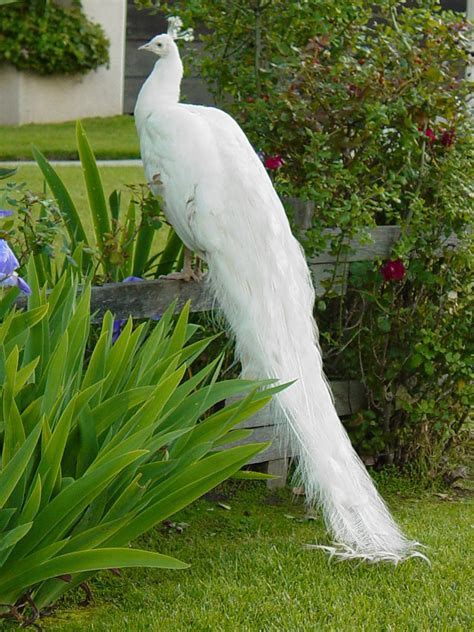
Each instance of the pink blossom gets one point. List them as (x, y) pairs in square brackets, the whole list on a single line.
[(393, 270), (273, 162)]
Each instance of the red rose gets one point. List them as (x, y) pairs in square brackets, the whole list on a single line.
[(393, 270), (430, 135), (447, 137), (273, 162)]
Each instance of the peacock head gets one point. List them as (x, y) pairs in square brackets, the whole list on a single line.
[(161, 45)]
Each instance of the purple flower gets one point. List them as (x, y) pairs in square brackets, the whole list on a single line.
[(8, 264), (5, 213), (117, 330), (22, 284), (8, 261), (13, 280)]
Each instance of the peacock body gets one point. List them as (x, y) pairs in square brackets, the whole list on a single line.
[(221, 202)]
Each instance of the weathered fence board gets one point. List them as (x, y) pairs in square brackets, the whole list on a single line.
[(150, 298), (147, 299)]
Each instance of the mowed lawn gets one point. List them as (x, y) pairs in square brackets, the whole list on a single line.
[(112, 137), (250, 572)]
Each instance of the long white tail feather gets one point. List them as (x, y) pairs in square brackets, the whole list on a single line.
[(270, 313)]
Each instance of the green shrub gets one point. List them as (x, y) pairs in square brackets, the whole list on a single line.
[(101, 440), (51, 39)]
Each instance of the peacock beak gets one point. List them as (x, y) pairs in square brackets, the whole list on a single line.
[(144, 46)]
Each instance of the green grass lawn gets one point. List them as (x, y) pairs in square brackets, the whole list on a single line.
[(250, 572), (114, 137)]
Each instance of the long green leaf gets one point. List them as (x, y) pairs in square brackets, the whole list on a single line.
[(66, 205), (50, 463), (33, 502), (93, 560), (11, 537), (71, 501), (95, 190), (108, 411), (170, 254), (143, 245), (11, 473), (127, 244), (185, 487)]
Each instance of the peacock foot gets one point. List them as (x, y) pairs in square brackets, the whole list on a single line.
[(184, 275)]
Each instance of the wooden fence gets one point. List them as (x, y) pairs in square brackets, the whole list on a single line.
[(151, 298)]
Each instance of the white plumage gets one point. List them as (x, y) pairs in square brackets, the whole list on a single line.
[(222, 204)]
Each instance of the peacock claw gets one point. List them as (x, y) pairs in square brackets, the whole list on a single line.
[(188, 273), (184, 275)]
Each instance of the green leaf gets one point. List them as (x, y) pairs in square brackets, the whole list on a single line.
[(71, 502), (33, 502), (13, 471), (186, 486), (129, 497), (146, 417), (52, 384), (24, 321), (95, 190), (114, 204), (9, 538), (106, 413), (50, 463), (127, 244), (233, 435), (249, 475), (66, 205), (93, 560), (170, 255)]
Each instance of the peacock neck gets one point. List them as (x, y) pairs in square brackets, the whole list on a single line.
[(166, 78)]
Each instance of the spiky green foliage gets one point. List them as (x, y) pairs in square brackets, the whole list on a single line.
[(100, 441)]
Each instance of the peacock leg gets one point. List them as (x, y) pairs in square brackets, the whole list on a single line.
[(188, 273)]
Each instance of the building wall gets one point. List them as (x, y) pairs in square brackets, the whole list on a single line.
[(26, 97)]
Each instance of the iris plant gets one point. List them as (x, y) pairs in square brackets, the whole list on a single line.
[(8, 266)]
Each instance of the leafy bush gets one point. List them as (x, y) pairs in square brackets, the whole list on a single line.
[(361, 108), (51, 39), (100, 440)]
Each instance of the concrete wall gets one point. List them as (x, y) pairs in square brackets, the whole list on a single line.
[(27, 97)]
